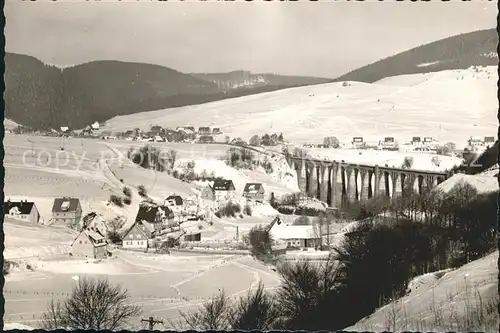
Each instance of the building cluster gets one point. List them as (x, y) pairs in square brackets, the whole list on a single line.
[(417, 143), (158, 133), (153, 223)]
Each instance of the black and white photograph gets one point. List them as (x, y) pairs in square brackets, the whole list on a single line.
[(251, 165)]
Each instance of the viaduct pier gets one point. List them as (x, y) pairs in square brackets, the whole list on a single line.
[(336, 182)]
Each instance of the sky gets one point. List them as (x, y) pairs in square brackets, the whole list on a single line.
[(323, 39)]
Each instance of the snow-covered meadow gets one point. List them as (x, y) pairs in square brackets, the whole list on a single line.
[(449, 106)]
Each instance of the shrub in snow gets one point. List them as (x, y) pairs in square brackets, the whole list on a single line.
[(435, 160), (127, 191), (127, 201), (247, 210), (407, 162), (302, 220), (142, 191), (308, 211), (240, 158), (114, 237), (260, 241), (229, 210), (268, 167), (116, 200), (331, 142), (255, 141), (447, 149), (290, 199), (6, 267), (171, 242)]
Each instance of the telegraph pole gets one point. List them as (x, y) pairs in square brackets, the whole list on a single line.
[(152, 322)]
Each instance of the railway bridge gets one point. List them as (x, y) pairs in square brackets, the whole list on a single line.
[(336, 182)]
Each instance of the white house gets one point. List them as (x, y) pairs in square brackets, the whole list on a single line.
[(89, 244), (139, 236), (224, 190), (302, 236), (206, 202)]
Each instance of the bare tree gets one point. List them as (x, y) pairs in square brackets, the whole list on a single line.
[(257, 310), (93, 304), (172, 157), (54, 317), (115, 224), (305, 292), (213, 315)]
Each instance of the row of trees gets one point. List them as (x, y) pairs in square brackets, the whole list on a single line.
[(150, 157), (266, 140)]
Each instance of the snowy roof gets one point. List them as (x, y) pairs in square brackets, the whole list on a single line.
[(175, 199), (24, 207), (150, 213), (95, 236), (285, 231), (223, 185), (65, 205), (253, 187), (148, 226)]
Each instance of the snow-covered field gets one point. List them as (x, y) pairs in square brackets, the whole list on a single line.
[(448, 105), (161, 284), (23, 240)]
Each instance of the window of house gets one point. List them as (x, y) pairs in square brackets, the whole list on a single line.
[(131, 236), (80, 242)]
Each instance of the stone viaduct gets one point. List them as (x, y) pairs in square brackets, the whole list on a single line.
[(337, 182)]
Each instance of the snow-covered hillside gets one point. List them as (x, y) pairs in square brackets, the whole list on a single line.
[(443, 301), (449, 106), (482, 183), (9, 125)]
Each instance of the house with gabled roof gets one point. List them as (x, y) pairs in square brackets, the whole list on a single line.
[(140, 236), (175, 200), (21, 210), (207, 202), (158, 216), (254, 191), (224, 190), (204, 130), (67, 211), (89, 243)]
